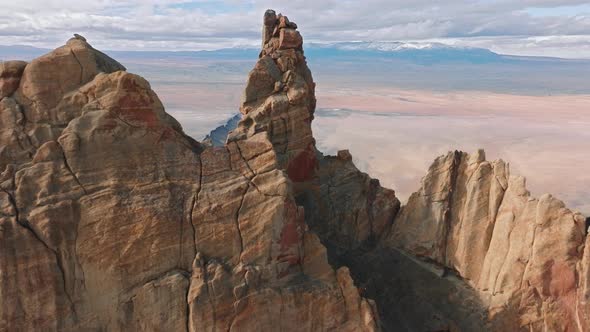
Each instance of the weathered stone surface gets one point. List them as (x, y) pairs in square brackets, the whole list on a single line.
[(47, 80), (261, 83), (268, 23), (522, 255), (112, 219), (10, 74), (345, 207), (289, 38), (45, 97), (16, 145)]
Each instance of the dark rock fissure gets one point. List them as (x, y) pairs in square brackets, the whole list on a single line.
[(190, 220), (59, 264), (79, 63), (243, 197), (448, 214), (353, 216), (67, 166)]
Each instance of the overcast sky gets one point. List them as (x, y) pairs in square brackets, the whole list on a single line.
[(531, 27)]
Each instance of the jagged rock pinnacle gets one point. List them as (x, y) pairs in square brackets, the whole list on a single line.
[(106, 206), (270, 18), (112, 219)]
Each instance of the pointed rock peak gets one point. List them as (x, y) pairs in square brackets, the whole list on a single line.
[(279, 98), (69, 67), (39, 99), (104, 63), (77, 36), (278, 33)]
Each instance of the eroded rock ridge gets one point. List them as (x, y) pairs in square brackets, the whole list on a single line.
[(112, 219)]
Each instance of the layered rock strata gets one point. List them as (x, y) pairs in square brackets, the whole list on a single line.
[(473, 251), (523, 256), (347, 208), (111, 218)]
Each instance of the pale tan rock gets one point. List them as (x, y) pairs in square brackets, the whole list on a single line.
[(261, 82), (115, 220), (159, 304), (10, 74), (16, 147), (583, 293), (268, 24), (48, 79), (355, 304), (345, 207), (521, 254), (315, 259), (112, 219), (44, 96)]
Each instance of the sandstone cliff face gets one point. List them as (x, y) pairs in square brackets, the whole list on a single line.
[(521, 255), (345, 207), (111, 218)]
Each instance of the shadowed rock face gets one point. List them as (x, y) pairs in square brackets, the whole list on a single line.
[(522, 258), (111, 218), (218, 136)]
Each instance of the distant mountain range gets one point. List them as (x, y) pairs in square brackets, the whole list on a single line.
[(431, 66), (218, 136), (416, 52)]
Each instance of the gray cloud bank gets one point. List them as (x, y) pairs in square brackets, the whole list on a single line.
[(541, 27)]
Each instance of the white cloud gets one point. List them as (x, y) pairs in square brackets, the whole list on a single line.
[(207, 24)]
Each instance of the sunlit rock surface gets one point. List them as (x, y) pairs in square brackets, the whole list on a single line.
[(112, 219)]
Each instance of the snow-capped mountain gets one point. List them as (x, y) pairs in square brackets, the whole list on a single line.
[(425, 53), (419, 52), (387, 46)]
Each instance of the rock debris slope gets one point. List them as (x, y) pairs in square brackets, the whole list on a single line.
[(112, 219)]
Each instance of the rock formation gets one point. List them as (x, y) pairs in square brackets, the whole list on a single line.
[(345, 207), (218, 136), (522, 258), (111, 218)]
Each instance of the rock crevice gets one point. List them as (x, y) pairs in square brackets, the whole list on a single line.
[(99, 181)]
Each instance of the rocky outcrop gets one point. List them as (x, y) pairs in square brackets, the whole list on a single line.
[(345, 207), (112, 219), (521, 255), (39, 99), (218, 136), (10, 74)]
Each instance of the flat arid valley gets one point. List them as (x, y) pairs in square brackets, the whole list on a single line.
[(543, 134), (215, 166), (545, 137)]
